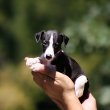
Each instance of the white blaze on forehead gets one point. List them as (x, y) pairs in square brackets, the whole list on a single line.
[(50, 50), (51, 40)]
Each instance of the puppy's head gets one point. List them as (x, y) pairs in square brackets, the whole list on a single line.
[(51, 41)]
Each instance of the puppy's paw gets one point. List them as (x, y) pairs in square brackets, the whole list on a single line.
[(37, 60), (34, 67), (31, 61), (79, 85)]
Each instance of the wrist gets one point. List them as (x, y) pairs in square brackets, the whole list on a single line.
[(71, 102)]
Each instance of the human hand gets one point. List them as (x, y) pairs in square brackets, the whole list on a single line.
[(57, 86), (60, 88)]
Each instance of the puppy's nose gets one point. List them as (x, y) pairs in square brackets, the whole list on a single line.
[(48, 56)]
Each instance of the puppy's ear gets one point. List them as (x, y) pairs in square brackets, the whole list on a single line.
[(38, 36), (65, 39)]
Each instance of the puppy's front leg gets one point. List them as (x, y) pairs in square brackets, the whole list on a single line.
[(79, 85), (32, 64)]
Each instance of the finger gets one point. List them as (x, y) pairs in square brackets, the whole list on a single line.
[(48, 70), (43, 80), (39, 79)]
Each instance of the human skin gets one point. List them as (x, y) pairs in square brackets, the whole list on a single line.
[(60, 89)]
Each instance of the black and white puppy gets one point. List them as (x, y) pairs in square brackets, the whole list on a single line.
[(52, 53)]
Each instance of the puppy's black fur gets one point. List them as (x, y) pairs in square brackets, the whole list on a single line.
[(71, 68), (63, 63)]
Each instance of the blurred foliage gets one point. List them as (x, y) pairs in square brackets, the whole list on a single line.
[(87, 23)]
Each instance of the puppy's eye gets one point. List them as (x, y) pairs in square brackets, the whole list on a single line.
[(45, 43), (56, 45)]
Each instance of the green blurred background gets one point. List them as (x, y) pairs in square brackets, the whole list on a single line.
[(86, 22)]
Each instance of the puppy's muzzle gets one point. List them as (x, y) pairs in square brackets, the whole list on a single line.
[(48, 56)]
